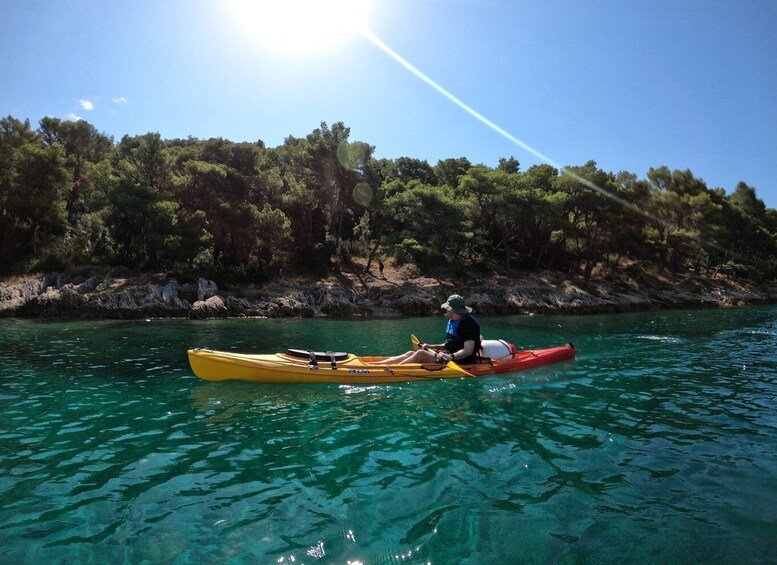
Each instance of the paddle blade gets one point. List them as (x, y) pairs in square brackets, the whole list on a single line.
[(462, 370), (414, 341)]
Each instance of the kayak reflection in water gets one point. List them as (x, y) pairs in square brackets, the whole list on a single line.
[(462, 339)]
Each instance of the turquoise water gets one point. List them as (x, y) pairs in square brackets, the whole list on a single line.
[(657, 445)]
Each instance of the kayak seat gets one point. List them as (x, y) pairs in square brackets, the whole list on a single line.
[(320, 355)]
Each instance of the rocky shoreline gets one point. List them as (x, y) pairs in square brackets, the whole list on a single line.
[(119, 295)]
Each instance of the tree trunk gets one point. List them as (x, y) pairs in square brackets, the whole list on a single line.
[(371, 256)]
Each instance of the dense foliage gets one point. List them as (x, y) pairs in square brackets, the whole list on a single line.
[(70, 196)]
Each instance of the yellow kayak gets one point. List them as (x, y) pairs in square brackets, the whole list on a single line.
[(299, 366)]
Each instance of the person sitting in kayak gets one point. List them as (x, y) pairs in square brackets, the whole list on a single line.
[(462, 339)]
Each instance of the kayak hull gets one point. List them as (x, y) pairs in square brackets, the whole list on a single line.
[(211, 365)]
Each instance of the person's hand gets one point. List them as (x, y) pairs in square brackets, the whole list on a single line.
[(425, 346), (444, 357)]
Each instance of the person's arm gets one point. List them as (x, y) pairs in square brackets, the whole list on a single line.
[(429, 346), (463, 353), (470, 331)]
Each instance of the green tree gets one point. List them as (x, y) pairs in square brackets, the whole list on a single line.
[(300, 200), (745, 199), (323, 178), (33, 181), (87, 151), (509, 165), (591, 205), (743, 234), (678, 208), (495, 207), (225, 208), (410, 168), (629, 221), (274, 237), (431, 227), (69, 196), (143, 221), (82, 144), (87, 238), (541, 218), (448, 171)]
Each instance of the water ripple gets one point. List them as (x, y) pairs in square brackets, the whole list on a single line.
[(656, 445)]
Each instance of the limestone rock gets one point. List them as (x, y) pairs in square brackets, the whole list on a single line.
[(413, 303), (213, 307), (206, 289), (13, 296), (168, 295), (289, 307), (334, 301), (89, 285), (114, 296)]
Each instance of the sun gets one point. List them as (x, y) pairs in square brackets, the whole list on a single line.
[(293, 27)]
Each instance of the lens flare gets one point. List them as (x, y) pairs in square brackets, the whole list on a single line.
[(350, 155), (362, 194), (375, 40)]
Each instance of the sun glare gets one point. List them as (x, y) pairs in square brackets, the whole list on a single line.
[(301, 26)]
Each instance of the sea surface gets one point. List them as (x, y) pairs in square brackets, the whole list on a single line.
[(658, 444)]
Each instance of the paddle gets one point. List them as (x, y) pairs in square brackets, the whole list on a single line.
[(416, 344)]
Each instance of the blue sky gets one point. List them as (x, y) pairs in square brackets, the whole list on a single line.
[(632, 84)]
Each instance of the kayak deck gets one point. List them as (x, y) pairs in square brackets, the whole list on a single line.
[(347, 368)]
